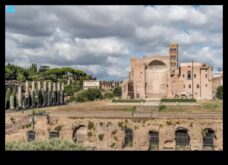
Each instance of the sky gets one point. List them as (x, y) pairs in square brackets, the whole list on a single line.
[(101, 40)]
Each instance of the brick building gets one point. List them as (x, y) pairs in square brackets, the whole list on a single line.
[(155, 77)]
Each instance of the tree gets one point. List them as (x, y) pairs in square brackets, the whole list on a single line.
[(12, 71), (21, 77), (7, 98), (70, 89), (117, 91), (43, 68), (219, 92)]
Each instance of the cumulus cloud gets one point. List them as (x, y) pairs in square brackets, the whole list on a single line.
[(102, 39)]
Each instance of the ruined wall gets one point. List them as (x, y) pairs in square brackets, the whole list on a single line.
[(109, 134)]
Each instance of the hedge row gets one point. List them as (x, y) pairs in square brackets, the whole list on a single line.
[(128, 101), (178, 100)]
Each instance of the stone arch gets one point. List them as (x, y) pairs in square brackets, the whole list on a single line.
[(79, 134), (153, 140), (156, 79), (208, 135), (182, 138), (128, 140), (155, 64)]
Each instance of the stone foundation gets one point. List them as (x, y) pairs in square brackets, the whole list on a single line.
[(109, 134)]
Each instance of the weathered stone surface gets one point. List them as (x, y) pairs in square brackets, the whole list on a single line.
[(12, 102), (19, 97), (108, 134), (155, 77)]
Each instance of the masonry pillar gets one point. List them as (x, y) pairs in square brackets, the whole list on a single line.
[(54, 94), (49, 94), (62, 94), (26, 94), (33, 94), (39, 93), (12, 102), (19, 97), (58, 93), (44, 94)]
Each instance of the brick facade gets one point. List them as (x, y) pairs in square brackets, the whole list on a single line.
[(155, 77)]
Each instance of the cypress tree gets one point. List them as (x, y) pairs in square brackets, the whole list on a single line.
[(7, 97)]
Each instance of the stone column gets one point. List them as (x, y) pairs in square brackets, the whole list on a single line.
[(54, 94), (26, 89), (44, 94), (45, 86), (38, 86), (26, 94), (33, 95), (58, 93), (38, 94), (62, 86), (11, 102), (62, 94), (49, 94), (19, 97), (68, 82), (33, 86)]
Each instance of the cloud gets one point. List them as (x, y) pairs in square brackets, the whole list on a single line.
[(102, 39)]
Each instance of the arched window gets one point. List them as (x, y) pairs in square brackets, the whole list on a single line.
[(208, 139), (79, 134), (153, 140), (53, 134), (189, 75), (31, 135), (155, 64), (128, 142), (182, 138)]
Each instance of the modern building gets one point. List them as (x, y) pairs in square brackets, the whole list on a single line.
[(91, 84)]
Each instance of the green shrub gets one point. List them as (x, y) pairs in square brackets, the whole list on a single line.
[(210, 105), (108, 95), (219, 92), (168, 122), (90, 125), (114, 132), (89, 134), (128, 101), (162, 107), (120, 124), (54, 144), (101, 136), (59, 128), (72, 98), (178, 100), (88, 95), (13, 120), (117, 91), (113, 144), (131, 109)]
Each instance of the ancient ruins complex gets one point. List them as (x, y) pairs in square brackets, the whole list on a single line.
[(155, 77), (31, 95)]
